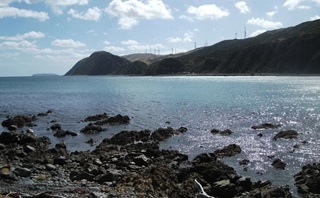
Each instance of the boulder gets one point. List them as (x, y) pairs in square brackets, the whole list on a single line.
[(118, 119), (266, 126), (55, 127), (289, 134), (164, 133), (224, 132), (228, 151), (278, 164), (92, 129), (308, 180), (223, 188), (80, 175), (204, 158), (96, 117), (22, 172), (9, 137)]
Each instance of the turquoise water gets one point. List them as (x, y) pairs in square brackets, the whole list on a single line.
[(198, 103)]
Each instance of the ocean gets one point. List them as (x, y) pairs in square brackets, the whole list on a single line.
[(200, 103)]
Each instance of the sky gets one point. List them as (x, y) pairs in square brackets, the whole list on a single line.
[(50, 36)]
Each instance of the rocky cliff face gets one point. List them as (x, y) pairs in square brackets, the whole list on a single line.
[(293, 50)]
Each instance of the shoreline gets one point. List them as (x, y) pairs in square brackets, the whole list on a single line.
[(129, 163)]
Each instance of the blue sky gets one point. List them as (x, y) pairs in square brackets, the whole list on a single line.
[(50, 36)]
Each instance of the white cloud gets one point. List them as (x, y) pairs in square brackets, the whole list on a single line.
[(67, 43), (316, 17), (295, 4), (144, 47), (257, 32), (187, 18), (271, 13), (29, 35), (92, 14), (15, 12), (114, 49), (106, 42), (242, 6), (130, 12), (174, 40), (130, 42), (207, 12), (25, 46), (264, 23)]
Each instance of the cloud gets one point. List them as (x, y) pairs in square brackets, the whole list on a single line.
[(130, 42), (242, 6), (92, 14), (25, 46), (113, 49), (257, 32), (58, 5), (15, 12), (187, 37), (67, 43), (295, 4), (174, 40), (130, 12), (264, 23), (207, 12), (316, 17), (29, 35)]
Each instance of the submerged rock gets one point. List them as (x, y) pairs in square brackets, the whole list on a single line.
[(118, 119), (19, 121), (266, 126), (92, 129), (277, 163), (96, 117), (289, 134), (224, 132)]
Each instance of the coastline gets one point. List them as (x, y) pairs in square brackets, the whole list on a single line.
[(129, 163)]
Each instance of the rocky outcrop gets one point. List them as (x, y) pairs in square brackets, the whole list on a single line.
[(308, 180), (228, 151), (19, 121), (289, 134), (98, 63), (222, 132)]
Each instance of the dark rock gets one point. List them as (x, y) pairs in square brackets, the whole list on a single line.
[(2, 147), (129, 137), (80, 175), (141, 160), (266, 126), (118, 119), (45, 114), (61, 145), (60, 161), (289, 134), (277, 163), (96, 117), (244, 162), (245, 183), (29, 149), (164, 133), (72, 133), (92, 129), (60, 133), (50, 167), (28, 138), (110, 176), (203, 158), (19, 121), (228, 151), (12, 128), (55, 127), (308, 180), (223, 188), (22, 172), (8, 138), (224, 132)]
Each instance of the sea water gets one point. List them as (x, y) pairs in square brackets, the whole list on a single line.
[(200, 103)]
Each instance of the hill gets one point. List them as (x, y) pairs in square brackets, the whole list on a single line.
[(293, 50)]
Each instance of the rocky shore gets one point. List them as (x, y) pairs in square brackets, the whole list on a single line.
[(128, 164)]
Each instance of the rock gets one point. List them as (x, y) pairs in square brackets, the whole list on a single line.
[(118, 119), (55, 127), (60, 161), (8, 138), (2, 147), (223, 188), (266, 126), (22, 172), (245, 183), (75, 175), (92, 129), (204, 157), (228, 151), (60, 133), (244, 162), (110, 176), (277, 163), (29, 149), (45, 114), (19, 121), (129, 137), (96, 117), (50, 167), (164, 133), (289, 134), (72, 133), (224, 132), (141, 160), (12, 128), (308, 180)]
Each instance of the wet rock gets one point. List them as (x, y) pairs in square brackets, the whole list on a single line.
[(224, 132), (129, 137), (29, 149), (141, 160), (12, 128), (204, 158), (110, 176), (62, 133), (165, 133), (118, 119), (308, 180), (55, 127), (8, 137), (277, 163), (245, 183), (96, 117), (266, 126), (289, 134), (228, 151), (80, 175), (45, 114), (19, 121), (244, 162), (92, 129), (60, 160), (22, 172)]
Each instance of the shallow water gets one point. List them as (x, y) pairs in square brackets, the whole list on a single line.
[(198, 103)]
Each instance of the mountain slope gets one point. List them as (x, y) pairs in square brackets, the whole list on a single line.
[(99, 63)]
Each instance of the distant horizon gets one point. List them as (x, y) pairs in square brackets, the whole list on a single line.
[(51, 36)]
